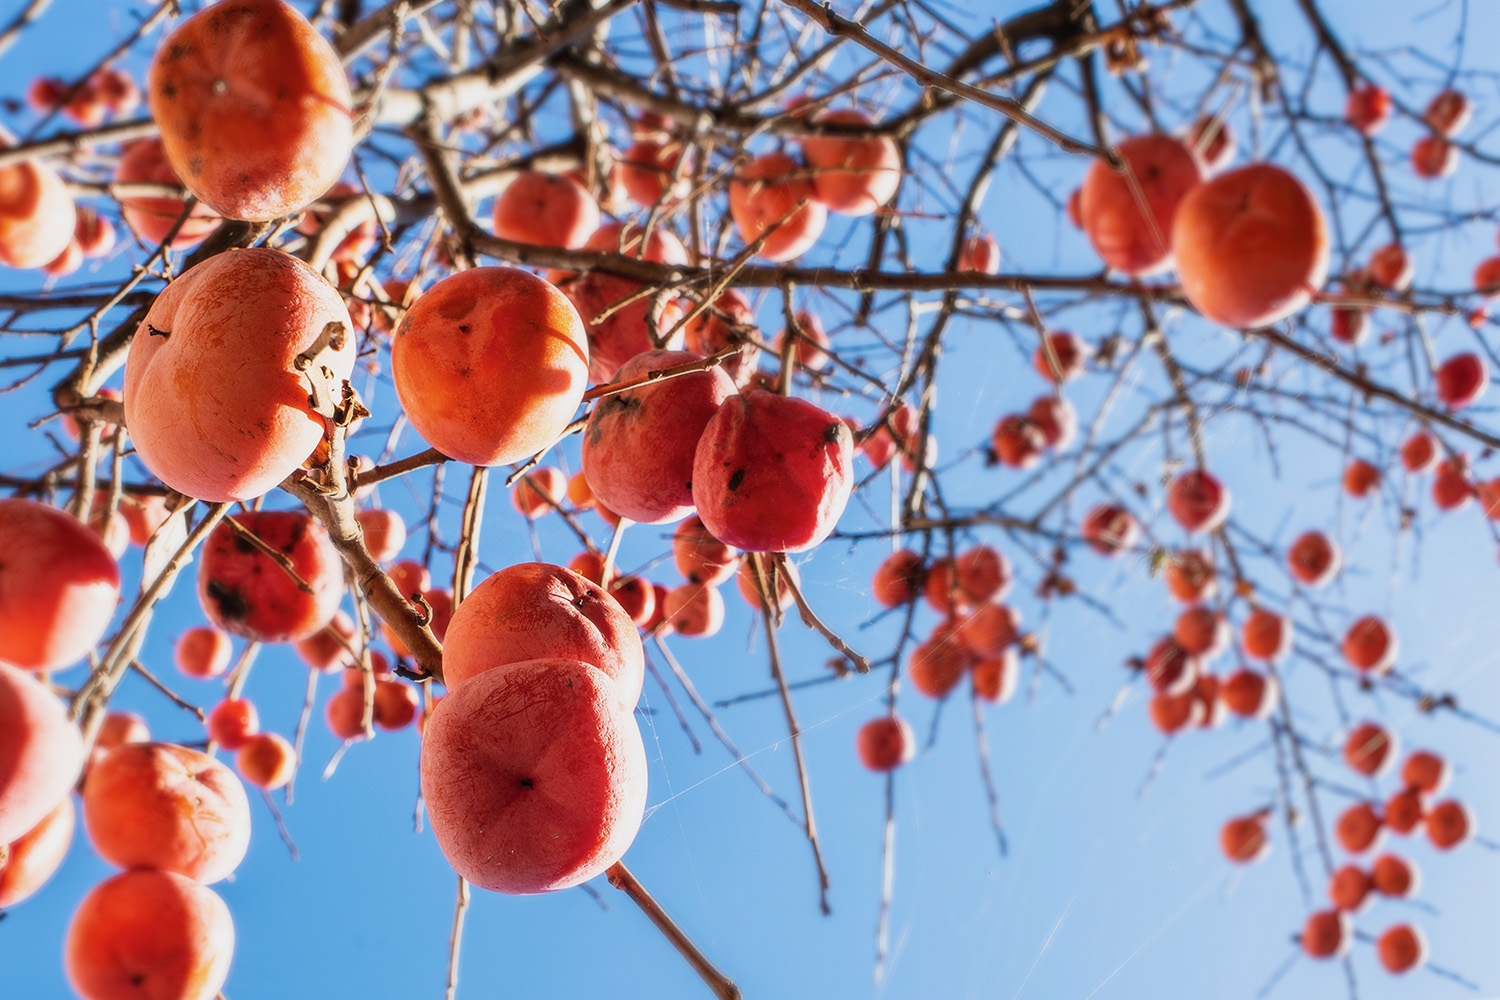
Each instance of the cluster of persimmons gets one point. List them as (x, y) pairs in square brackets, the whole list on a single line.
[(533, 770)]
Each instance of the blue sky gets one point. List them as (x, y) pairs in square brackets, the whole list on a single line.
[(1105, 892)]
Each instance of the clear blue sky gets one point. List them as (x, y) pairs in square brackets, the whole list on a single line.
[(1105, 893)]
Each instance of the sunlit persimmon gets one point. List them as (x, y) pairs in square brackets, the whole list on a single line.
[(1404, 811), (1426, 771), (1169, 668), (1202, 632), (937, 663), (1314, 559), (539, 491), (898, 579), (1419, 453), (1461, 380), (1189, 575), (996, 677), (1244, 840), (254, 108), (1017, 442), (1368, 108), (1401, 949), (37, 215), (1251, 246), (1449, 112), (1449, 824), (852, 175), (886, 743), (545, 210), (1056, 419), (1395, 876), (1061, 357), (1361, 479), (1371, 645), (1391, 267), (1349, 888), (1198, 501), (1358, 828), (1110, 529), (1370, 749), (1265, 635), (1434, 158), (1173, 713), (980, 254), (490, 364), (267, 761), (1160, 171), (771, 198)]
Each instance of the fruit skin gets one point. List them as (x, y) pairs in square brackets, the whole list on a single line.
[(41, 753), (156, 805), (852, 175), (1165, 172), (1110, 530), (244, 591), (980, 254), (1249, 695), (1434, 157), (627, 329), (1368, 108), (695, 610), (1395, 876), (545, 210), (1244, 839), (383, 531), (254, 108), (1189, 576), (533, 610), (1461, 380), (1202, 631), (937, 663), (1426, 771), (202, 652), (768, 194), (490, 364), (149, 934), (1404, 810), (539, 492), (699, 556), (1198, 501), (1449, 112), (772, 473), (1314, 559), (886, 743), (1252, 246), (749, 585), (232, 722), (1370, 749), (639, 445), (58, 586), (30, 860), (1401, 948), (1371, 645), (1358, 828), (1327, 934), (37, 215), (267, 761), (1449, 824), (1349, 888), (151, 219), (898, 579), (216, 407), (534, 777)]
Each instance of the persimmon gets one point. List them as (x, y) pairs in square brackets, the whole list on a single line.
[(980, 254), (648, 168), (1368, 108), (972, 578), (1251, 246), (1426, 771), (1419, 453), (395, 704), (41, 753), (1451, 489), (344, 714), (1266, 636), (1448, 113), (728, 321), (546, 210), (937, 663), (1061, 357), (1433, 158), (699, 556), (37, 215), (221, 374), (1056, 419), (384, 532), (1361, 479), (1349, 888), (533, 610), (750, 585), (1173, 713), (1244, 840), (1018, 442), (1370, 749), (490, 364), (1160, 171), (254, 108), (327, 649), (1249, 694), (1401, 949), (988, 629), (1395, 876), (203, 652), (1198, 501), (1449, 824), (1358, 828), (772, 473), (1404, 811), (1110, 529), (1202, 632), (1189, 575), (812, 343), (886, 743), (246, 591), (1391, 267), (1461, 380), (695, 609), (1327, 934), (772, 198), (1314, 559), (1169, 668), (31, 859), (540, 491), (267, 761), (996, 677), (852, 175), (156, 805), (636, 598), (58, 586), (534, 777), (232, 722), (899, 579), (149, 934), (355, 245), (1370, 645), (639, 445)]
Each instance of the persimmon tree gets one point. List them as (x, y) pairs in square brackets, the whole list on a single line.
[(294, 292)]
